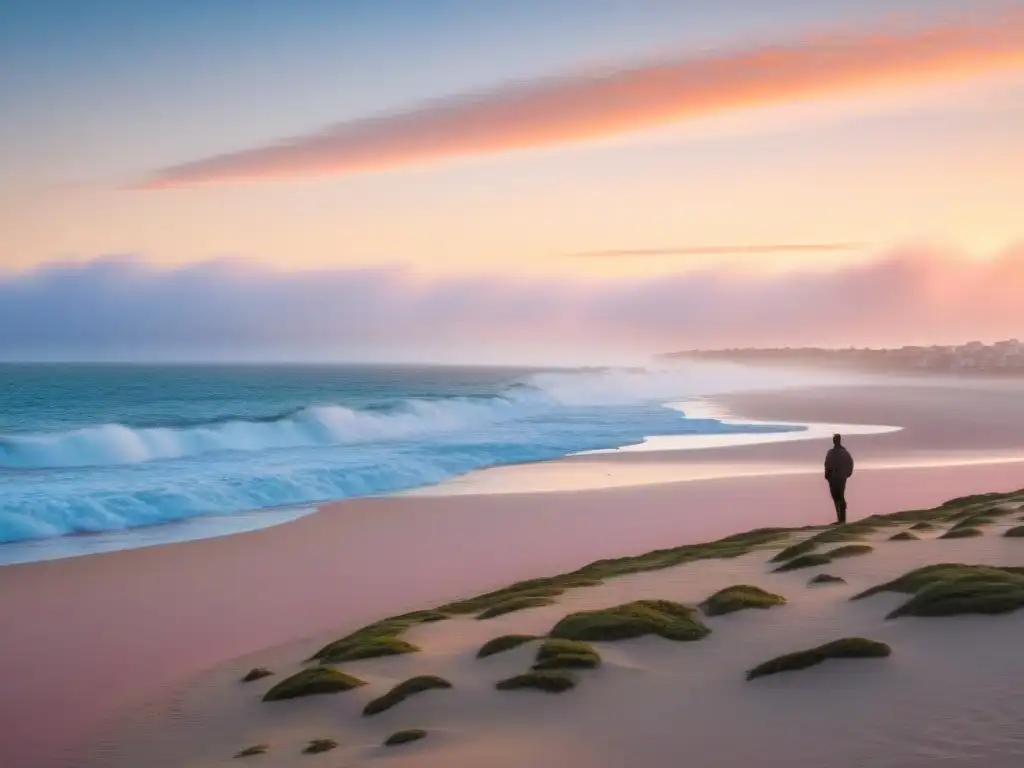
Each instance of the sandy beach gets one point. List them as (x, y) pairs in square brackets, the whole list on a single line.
[(471, 384), (159, 636), (652, 701)]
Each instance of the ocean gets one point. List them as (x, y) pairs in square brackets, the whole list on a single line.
[(129, 449)]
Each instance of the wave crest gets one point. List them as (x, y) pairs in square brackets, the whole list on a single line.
[(333, 424), (112, 444)]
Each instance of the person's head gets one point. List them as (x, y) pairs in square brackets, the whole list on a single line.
[(837, 440)]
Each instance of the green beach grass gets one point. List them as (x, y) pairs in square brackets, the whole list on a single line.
[(546, 680), (404, 690), (739, 597), (503, 643), (255, 749), (845, 648), (316, 746), (827, 578), (405, 737), (904, 536), (557, 653), (949, 589), (312, 681), (384, 637), (664, 618)]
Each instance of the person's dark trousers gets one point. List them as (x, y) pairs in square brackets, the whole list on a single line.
[(837, 488)]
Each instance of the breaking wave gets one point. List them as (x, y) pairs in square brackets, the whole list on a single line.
[(334, 424), (114, 476)]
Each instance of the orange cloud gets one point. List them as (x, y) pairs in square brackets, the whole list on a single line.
[(725, 250), (579, 108)]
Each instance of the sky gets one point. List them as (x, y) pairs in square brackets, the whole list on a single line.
[(469, 179)]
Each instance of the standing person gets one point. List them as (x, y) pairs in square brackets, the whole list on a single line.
[(838, 468)]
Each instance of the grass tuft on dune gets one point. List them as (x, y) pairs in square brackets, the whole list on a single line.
[(404, 690), (738, 597), (961, 533), (381, 638), (664, 618), (827, 578), (404, 737), (804, 561), (904, 536), (255, 749), (547, 680), (365, 648), (795, 550), (515, 604), (556, 653), (503, 643), (846, 648), (850, 550), (312, 681), (422, 617), (976, 520), (976, 498), (546, 587), (1015, 532), (257, 673), (731, 546), (316, 746), (959, 597), (949, 589), (849, 532)]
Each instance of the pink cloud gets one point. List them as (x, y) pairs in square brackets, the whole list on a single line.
[(123, 306), (602, 104)]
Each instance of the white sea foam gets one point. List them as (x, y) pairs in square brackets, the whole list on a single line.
[(332, 424), (111, 477)]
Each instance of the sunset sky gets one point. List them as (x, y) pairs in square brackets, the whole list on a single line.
[(423, 179)]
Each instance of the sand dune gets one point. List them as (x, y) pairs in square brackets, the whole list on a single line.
[(951, 691)]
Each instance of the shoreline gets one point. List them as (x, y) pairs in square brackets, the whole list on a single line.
[(602, 468), (213, 526), (707, 456), (933, 431), (232, 596), (669, 459), (144, 536)]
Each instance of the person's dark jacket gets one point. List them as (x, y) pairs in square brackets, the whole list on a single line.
[(838, 463)]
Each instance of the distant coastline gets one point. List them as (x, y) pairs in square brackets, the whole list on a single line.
[(974, 359)]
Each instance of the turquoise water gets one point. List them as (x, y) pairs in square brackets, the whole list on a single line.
[(110, 448)]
